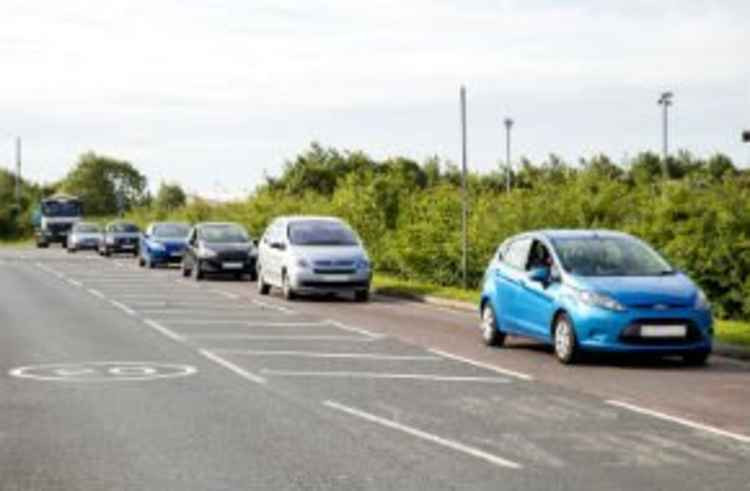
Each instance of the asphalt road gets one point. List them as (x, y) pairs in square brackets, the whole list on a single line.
[(114, 377)]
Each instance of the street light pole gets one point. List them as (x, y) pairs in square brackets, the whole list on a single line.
[(665, 100), (464, 242), (508, 169), (18, 172)]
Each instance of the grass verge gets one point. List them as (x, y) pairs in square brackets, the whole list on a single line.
[(730, 332), (17, 242)]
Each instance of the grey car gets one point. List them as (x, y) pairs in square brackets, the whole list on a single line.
[(313, 254), (120, 237), (84, 235)]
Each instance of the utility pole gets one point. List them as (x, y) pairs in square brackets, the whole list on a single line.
[(464, 244), (508, 169), (665, 100), (18, 172)]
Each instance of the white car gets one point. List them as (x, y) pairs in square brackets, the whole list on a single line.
[(312, 254), (84, 235)]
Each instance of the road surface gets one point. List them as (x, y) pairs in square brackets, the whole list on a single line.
[(116, 377)]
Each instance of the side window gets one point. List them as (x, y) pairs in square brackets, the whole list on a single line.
[(517, 253), (539, 257)]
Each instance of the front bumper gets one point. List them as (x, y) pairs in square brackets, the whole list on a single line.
[(307, 281), (601, 330), (219, 265), (85, 245), (162, 256)]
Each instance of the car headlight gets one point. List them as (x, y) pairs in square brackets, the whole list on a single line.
[(599, 300), (206, 253), (156, 246), (302, 263), (701, 301), (363, 264)]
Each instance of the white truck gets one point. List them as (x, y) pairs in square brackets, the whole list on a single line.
[(54, 218)]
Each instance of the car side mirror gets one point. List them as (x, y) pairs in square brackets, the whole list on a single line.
[(278, 245), (540, 275), (255, 242)]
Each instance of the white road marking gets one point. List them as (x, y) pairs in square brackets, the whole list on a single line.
[(193, 322), (452, 444), (74, 282), (379, 375), (271, 337), (231, 296), (357, 330), (96, 293), (271, 306), (313, 354), (231, 366), (486, 366), (165, 331), (123, 307), (681, 421)]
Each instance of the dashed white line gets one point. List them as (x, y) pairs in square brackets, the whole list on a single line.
[(486, 366), (313, 354), (357, 330), (74, 282), (231, 366), (228, 295), (452, 444), (271, 306), (96, 293), (682, 421), (382, 375), (163, 330), (123, 307), (272, 337)]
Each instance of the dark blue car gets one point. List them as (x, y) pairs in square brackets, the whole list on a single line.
[(163, 243), (582, 290)]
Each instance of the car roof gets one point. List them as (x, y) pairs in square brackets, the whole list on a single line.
[(218, 224), (577, 233), (153, 224), (121, 222), (291, 218), (78, 224)]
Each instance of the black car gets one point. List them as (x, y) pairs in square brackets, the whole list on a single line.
[(120, 237), (219, 248)]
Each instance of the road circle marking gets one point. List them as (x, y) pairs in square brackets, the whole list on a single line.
[(103, 371)]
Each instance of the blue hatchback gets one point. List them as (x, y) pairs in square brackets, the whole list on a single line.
[(582, 290), (163, 243)]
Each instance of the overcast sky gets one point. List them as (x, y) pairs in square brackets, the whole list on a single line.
[(212, 93)]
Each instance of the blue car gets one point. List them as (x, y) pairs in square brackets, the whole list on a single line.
[(163, 243), (582, 290)]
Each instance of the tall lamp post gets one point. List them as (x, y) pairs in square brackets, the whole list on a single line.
[(665, 100), (464, 204), (508, 125), (17, 187)]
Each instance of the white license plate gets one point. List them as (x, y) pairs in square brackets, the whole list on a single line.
[(127, 246), (663, 331), (232, 265), (334, 277), (176, 254)]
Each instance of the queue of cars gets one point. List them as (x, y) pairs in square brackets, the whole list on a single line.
[(576, 290)]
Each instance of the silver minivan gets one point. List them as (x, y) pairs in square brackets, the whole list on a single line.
[(313, 254)]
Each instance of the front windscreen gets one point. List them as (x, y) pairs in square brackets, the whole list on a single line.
[(87, 228), (321, 232), (124, 228), (610, 256), (61, 208), (223, 234), (171, 230)]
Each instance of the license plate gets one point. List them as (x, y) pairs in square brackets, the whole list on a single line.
[(663, 331), (232, 265), (176, 254), (334, 277), (127, 246)]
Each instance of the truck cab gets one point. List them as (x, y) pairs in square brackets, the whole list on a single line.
[(55, 217)]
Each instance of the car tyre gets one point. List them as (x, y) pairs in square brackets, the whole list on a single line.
[(362, 296), (186, 272), (565, 341), (286, 287), (150, 263), (141, 262), (197, 273), (697, 359), (491, 335), (263, 287)]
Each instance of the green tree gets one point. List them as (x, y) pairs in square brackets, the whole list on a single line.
[(170, 197), (105, 185)]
